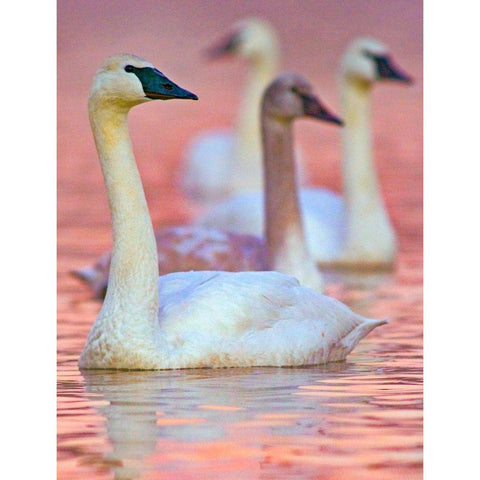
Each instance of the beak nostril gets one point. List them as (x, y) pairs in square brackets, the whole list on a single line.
[(168, 86)]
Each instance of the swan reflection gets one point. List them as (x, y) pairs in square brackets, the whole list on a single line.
[(156, 420)]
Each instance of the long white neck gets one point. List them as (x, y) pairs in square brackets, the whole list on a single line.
[(248, 146), (369, 232), (131, 303), (285, 240)]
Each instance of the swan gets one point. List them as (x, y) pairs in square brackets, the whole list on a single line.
[(354, 231), (191, 319), (222, 162), (200, 248), (188, 247)]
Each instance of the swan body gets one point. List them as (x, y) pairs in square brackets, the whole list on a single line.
[(187, 247), (219, 163), (190, 319), (201, 248), (209, 166), (224, 319), (353, 231)]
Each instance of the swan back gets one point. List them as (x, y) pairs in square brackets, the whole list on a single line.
[(270, 320)]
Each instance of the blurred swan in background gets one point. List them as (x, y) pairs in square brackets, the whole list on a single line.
[(353, 231), (201, 248), (188, 247), (220, 163), (194, 319)]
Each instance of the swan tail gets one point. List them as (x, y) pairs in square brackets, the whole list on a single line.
[(360, 331)]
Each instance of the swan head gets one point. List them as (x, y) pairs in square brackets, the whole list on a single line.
[(290, 96), (128, 80), (252, 39), (367, 60)]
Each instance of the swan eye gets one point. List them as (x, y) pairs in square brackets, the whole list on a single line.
[(168, 86), (129, 68), (294, 90)]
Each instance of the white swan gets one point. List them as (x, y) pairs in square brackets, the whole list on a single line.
[(221, 162), (194, 319), (199, 248), (354, 231)]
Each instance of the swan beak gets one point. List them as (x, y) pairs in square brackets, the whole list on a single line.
[(312, 107), (387, 70), (224, 46), (158, 87)]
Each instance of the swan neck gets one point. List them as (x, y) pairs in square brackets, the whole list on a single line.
[(260, 73), (248, 147), (366, 217), (359, 175), (285, 240), (133, 276)]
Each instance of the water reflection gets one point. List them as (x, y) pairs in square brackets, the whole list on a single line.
[(358, 289), (260, 422)]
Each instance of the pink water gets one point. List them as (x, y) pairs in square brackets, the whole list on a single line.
[(361, 419)]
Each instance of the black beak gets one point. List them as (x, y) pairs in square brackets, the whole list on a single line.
[(312, 107), (224, 46), (158, 87), (387, 70)]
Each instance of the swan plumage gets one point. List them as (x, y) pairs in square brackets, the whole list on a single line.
[(353, 230), (190, 319), (281, 325)]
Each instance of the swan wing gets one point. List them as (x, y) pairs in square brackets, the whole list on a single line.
[(254, 318), (223, 303)]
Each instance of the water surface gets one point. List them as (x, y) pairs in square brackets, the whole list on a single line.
[(356, 419), (359, 419)]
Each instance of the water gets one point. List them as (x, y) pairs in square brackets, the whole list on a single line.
[(359, 419), (356, 419)]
